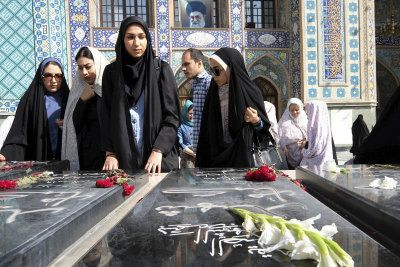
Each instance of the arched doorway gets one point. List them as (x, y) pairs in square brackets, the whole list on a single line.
[(185, 91), (269, 92), (386, 86)]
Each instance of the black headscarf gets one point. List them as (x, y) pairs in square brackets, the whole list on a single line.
[(28, 138), (383, 143), (123, 83), (243, 93), (360, 132)]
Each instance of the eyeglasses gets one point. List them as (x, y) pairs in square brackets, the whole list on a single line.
[(216, 71), (48, 77)]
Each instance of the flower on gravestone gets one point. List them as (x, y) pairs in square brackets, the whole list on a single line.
[(264, 173), (7, 184), (127, 190), (104, 183), (116, 177)]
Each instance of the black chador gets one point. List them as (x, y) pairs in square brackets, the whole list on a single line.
[(29, 138), (124, 81), (212, 151)]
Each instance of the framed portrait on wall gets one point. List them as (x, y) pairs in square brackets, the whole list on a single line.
[(195, 14)]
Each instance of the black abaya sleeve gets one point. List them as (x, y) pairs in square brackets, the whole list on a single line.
[(170, 109), (79, 115), (105, 109)]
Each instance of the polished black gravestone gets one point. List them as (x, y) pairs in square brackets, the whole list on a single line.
[(15, 169), (376, 210), (184, 222), (39, 222)]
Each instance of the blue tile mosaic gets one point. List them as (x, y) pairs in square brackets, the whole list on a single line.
[(354, 67), (354, 55), (332, 34), (294, 37), (205, 39), (312, 67), (353, 19), (355, 92), (163, 43), (326, 92), (354, 80), (354, 43), (236, 12), (341, 92), (280, 55), (311, 55), (353, 31), (311, 42), (311, 17), (353, 7), (310, 4), (267, 39), (310, 30), (17, 54), (312, 80), (312, 93)]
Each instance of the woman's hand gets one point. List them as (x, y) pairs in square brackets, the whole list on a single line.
[(285, 151), (303, 143), (60, 123), (111, 162), (154, 162), (189, 152), (251, 115), (88, 93), (2, 158)]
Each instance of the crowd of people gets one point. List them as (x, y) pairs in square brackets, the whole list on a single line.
[(127, 114)]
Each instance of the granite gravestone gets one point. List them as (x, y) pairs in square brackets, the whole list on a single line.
[(378, 210), (15, 169), (184, 222), (40, 221)]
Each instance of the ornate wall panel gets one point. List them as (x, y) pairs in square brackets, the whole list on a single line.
[(295, 54), (17, 53), (203, 39), (331, 50), (266, 39), (237, 19)]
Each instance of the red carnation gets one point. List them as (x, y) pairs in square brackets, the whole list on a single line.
[(7, 184), (104, 183), (127, 190), (249, 176)]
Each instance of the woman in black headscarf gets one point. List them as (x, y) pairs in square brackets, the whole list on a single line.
[(360, 132), (36, 130), (233, 114), (140, 105), (383, 143)]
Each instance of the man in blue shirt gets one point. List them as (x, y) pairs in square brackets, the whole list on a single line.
[(193, 68)]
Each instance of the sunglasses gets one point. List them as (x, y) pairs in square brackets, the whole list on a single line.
[(216, 71), (48, 77)]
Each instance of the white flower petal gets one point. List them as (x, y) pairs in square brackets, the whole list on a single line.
[(249, 226), (328, 230), (388, 183), (305, 249), (375, 183), (286, 241), (270, 235)]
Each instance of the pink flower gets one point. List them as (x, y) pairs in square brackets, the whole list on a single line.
[(127, 190), (7, 184)]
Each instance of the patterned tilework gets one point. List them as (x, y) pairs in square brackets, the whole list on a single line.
[(387, 56), (294, 37), (280, 55), (8, 107), (206, 39), (311, 52), (106, 38), (237, 24), (353, 49), (79, 27), (110, 55), (41, 30), (332, 34), (270, 68), (371, 51), (17, 53), (267, 39), (64, 39), (163, 34)]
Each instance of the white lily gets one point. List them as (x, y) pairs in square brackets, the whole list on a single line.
[(270, 234), (388, 183)]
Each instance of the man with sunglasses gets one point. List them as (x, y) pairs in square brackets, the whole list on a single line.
[(193, 68)]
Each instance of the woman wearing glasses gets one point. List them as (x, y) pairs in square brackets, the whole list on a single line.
[(36, 130), (140, 105), (233, 114), (81, 131)]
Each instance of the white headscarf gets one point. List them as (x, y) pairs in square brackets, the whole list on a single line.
[(271, 113), (319, 135), (292, 130), (69, 149)]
